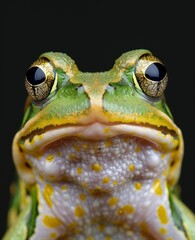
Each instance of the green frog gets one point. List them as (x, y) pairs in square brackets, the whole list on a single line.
[(98, 155)]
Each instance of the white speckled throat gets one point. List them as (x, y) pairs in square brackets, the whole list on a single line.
[(114, 174)]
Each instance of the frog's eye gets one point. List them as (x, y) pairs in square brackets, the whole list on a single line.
[(40, 79), (151, 76)]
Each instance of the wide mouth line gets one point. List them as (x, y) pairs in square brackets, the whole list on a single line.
[(162, 137), (164, 130)]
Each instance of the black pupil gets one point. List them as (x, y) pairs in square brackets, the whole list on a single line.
[(155, 72), (35, 75)]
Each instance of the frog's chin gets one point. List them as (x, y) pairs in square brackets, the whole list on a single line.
[(97, 131)]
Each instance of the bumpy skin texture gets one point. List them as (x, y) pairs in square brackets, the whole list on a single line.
[(99, 155)]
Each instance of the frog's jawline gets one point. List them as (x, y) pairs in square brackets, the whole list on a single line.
[(99, 132)]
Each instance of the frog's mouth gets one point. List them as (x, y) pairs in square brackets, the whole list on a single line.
[(165, 141)]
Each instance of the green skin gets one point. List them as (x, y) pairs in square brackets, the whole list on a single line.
[(77, 99)]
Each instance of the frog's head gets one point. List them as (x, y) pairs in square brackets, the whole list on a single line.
[(66, 103)]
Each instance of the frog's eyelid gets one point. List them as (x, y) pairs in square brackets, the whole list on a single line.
[(136, 82), (55, 83)]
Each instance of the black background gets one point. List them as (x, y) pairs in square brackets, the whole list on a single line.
[(94, 34)]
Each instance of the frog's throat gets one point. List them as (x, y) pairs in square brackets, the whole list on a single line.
[(171, 142)]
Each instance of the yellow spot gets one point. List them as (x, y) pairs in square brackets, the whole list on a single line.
[(107, 238), (115, 182), (131, 167), (53, 235), (77, 148), (101, 227), (50, 158), (106, 180), (137, 149), (108, 143), (112, 201), (162, 214), (165, 173), (82, 197), (84, 184), (96, 167), (106, 130), (163, 231), (71, 156), (85, 146), (79, 170), (157, 187), (163, 155), (51, 222), (137, 185), (79, 211), (48, 191), (170, 238), (126, 209), (59, 153), (90, 238), (98, 188), (64, 187)]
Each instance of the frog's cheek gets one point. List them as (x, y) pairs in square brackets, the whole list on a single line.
[(175, 166), (22, 166)]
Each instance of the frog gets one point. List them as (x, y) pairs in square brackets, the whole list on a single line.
[(98, 155)]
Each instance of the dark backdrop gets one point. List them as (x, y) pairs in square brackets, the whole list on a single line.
[(94, 34)]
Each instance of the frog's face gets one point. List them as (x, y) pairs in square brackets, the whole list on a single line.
[(67, 105)]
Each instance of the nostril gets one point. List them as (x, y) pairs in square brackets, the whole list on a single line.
[(80, 88), (110, 88)]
